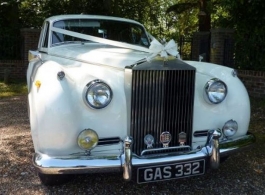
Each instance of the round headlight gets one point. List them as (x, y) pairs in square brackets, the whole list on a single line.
[(87, 139), (215, 91), (97, 94), (230, 128)]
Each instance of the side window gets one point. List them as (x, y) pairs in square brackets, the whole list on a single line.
[(46, 36)]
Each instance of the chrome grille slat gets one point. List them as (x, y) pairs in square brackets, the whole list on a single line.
[(162, 100)]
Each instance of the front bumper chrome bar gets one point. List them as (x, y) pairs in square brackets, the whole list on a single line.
[(213, 150)]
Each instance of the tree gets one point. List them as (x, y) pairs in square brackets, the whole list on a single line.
[(9, 17), (247, 18), (204, 15)]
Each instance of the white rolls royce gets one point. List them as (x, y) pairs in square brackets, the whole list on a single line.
[(105, 95)]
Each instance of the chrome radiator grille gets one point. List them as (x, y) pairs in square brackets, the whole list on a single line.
[(161, 100)]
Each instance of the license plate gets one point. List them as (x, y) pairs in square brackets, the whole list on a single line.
[(170, 171)]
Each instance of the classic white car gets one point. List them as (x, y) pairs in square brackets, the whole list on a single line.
[(104, 95)]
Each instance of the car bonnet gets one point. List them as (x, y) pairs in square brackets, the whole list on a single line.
[(96, 53)]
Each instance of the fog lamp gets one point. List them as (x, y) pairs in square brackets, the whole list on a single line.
[(230, 128), (87, 139)]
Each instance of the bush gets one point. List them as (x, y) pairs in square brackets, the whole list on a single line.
[(247, 18)]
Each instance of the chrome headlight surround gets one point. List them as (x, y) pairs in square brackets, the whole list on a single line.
[(215, 91), (230, 128), (97, 94)]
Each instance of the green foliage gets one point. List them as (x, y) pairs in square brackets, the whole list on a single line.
[(152, 13), (13, 89), (245, 16), (9, 23), (248, 19)]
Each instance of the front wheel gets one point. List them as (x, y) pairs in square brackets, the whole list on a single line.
[(49, 179)]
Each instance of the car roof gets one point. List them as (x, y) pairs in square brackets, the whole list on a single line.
[(84, 16)]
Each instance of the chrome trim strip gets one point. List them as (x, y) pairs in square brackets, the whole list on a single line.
[(127, 163), (128, 92), (213, 145), (91, 164)]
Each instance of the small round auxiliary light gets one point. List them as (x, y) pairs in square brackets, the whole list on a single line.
[(61, 75), (87, 139), (230, 128)]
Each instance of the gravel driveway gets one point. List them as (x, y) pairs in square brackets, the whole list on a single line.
[(243, 173)]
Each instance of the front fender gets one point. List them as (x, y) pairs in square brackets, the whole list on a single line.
[(58, 112), (235, 106)]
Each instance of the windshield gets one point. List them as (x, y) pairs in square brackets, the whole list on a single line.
[(108, 29)]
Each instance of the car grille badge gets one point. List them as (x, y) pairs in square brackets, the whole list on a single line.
[(182, 138), (149, 140), (165, 138)]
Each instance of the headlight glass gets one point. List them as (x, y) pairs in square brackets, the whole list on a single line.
[(87, 139), (230, 128), (215, 91), (97, 94)]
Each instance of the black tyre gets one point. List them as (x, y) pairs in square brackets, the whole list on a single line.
[(50, 180)]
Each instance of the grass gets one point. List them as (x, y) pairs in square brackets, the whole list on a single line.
[(13, 89)]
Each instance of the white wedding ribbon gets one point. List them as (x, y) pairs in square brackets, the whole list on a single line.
[(170, 48), (100, 40), (156, 48)]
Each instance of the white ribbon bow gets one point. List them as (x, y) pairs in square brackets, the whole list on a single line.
[(157, 48)]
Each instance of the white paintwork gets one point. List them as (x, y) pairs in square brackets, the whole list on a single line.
[(58, 112), (99, 54), (235, 106)]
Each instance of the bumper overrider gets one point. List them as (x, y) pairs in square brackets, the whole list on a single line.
[(127, 161)]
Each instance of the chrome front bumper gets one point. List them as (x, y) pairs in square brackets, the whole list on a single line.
[(212, 151)]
